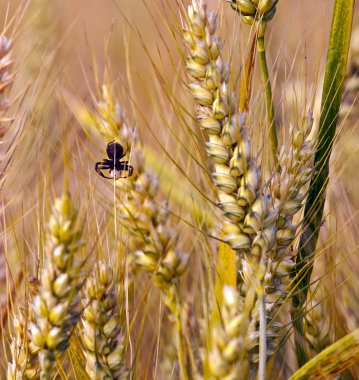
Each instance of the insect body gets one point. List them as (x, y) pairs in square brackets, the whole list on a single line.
[(114, 164)]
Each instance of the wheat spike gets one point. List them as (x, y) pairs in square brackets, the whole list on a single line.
[(102, 336), (57, 306), (246, 204), (254, 11), (25, 362)]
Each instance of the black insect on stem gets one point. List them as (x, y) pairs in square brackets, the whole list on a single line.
[(114, 164)]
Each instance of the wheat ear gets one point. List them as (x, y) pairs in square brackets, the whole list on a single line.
[(25, 362), (57, 306), (102, 336), (242, 199), (246, 204), (288, 189), (251, 11), (153, 243), (318, 327), (229, 354)]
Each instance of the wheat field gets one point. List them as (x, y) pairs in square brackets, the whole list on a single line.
[(179, 189)]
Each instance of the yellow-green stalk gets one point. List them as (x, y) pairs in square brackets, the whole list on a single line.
[(102, 336), (57, 307), (333, 360)]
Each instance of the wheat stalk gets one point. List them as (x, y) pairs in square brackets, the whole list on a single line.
[(259, 13)]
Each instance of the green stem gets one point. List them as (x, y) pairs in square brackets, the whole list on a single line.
[(269, 97)]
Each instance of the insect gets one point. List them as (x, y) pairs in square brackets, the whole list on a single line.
[(114, 164)]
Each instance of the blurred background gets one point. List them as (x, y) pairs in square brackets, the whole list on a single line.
[(79, 31)]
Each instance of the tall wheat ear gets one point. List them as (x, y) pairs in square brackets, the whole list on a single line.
[(153, 243), (258, 214), (102, 337), (237, 176), (57, 307)]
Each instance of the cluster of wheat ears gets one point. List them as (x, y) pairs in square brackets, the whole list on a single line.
[(127, 290)]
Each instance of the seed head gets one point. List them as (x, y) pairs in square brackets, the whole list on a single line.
[(57, 306), (103, 340), (24, 363), (254, 10)]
